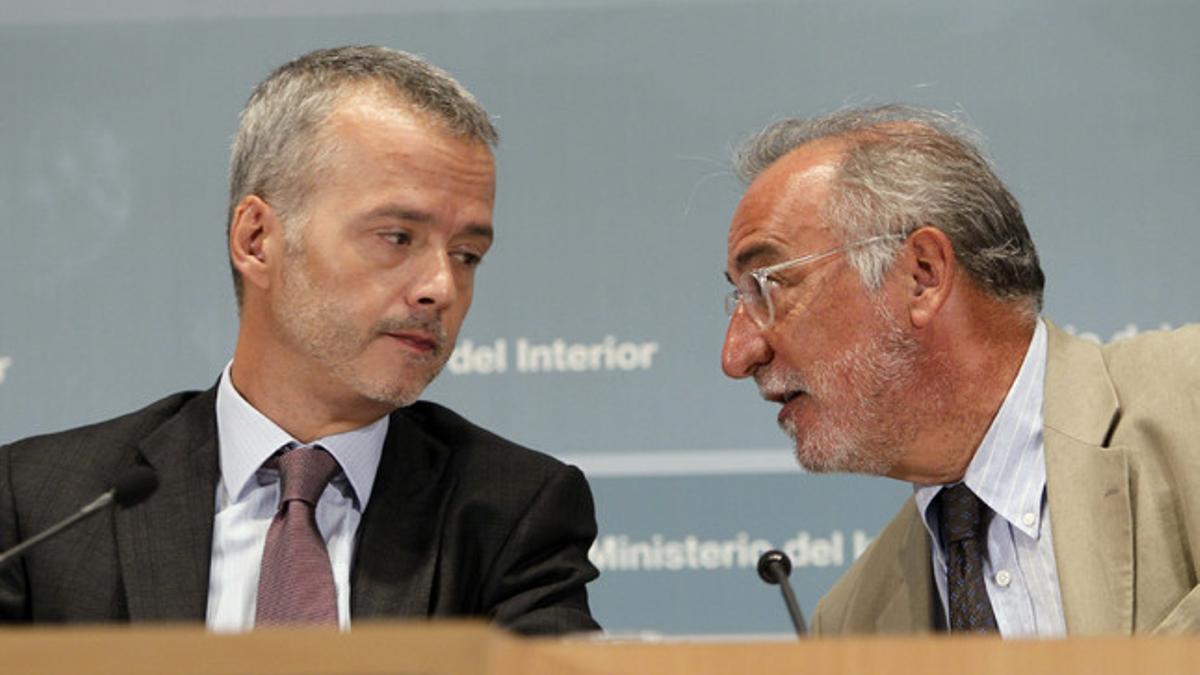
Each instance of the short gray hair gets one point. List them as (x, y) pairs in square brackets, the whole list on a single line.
[(905, 167), (279, 146)]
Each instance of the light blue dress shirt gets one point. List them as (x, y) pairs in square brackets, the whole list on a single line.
[(247, 498), (1008, 473)]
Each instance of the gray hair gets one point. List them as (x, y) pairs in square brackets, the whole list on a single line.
[(279, 146), (906, 167)]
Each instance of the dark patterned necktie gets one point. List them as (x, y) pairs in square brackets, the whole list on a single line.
[(961, 523), (295, 583)]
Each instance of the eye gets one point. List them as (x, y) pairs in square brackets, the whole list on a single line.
[(468, 258), (398, 237)]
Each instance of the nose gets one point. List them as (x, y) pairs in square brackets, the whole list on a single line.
[(434, 285), (745, 347)]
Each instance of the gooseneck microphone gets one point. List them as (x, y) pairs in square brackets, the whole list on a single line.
[(131, 487), (774, 568)]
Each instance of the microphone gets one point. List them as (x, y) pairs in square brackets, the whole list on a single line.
[(774, 568), (132, 487)]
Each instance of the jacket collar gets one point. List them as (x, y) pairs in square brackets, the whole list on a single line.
[(1088, 490), (913, 599), (400, 533), (165, 542)]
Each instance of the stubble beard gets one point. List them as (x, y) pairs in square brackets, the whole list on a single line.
[(863, 424), (320, 328)]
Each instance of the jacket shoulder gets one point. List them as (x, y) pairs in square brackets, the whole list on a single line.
[(1167, 356), (474, 445), (46, 476), (1156, 376), (493, 483), (127, 429)]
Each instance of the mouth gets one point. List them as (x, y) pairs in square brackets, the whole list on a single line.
[(417, 341), (783, 397), (788, 397), (790, 403)]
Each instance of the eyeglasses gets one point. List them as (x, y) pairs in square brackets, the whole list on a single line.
[(754, 289)]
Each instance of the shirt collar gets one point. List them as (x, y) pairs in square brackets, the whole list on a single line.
[(246, 438), (1008, 471)]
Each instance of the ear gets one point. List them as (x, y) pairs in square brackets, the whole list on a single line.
[(930, 268), (252, 234)]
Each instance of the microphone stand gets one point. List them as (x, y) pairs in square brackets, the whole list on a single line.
[(774, 568), (97, 505)]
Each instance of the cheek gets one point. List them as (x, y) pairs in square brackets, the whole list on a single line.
[(453, 318), (834, 323), (792, 359), (795, 343), (366, 301)]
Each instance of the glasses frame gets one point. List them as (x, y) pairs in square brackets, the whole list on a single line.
[(764, 284)]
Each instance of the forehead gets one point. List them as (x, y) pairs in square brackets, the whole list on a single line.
[(366, 127), (782, 213)]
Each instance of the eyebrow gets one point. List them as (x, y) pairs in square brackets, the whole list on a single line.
[(747, 256), (483, 230), (480, 230), (399, 213)]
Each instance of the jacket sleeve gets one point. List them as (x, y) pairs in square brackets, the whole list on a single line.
[(537, 584), (14, 603)]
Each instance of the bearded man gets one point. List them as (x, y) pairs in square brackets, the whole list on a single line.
[(887, 297)]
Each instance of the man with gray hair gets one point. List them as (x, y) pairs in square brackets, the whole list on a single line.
[(309, 485), (887, 297)]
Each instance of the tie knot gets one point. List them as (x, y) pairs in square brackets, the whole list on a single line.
[(303, 473), (960, 513)]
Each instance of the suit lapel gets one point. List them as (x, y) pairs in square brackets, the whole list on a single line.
[(399, 536), (1087, 488), (911, 606), (165, 542)]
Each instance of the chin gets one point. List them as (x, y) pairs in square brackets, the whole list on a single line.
[(395, 394), (393, 387), (819, 460), (835, 451), (392, 393), (812, 456)]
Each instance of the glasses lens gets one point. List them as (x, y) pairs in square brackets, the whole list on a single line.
[(732, 298), (751, 294)]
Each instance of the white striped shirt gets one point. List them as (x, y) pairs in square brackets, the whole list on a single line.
[(247, 498), (1008, 473)]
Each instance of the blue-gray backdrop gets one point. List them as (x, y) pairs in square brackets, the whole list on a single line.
[(617, 119)]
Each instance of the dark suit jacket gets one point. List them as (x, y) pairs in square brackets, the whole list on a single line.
[(461, 523)]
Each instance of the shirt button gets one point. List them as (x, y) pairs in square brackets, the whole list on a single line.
[(1029, 519), (1003, 578)]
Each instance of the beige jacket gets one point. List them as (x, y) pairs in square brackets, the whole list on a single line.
[(1122, 439)]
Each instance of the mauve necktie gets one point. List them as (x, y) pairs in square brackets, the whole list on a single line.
[(295, 583), (961, 523)]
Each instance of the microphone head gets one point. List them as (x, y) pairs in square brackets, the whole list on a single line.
[(134, 485), (769, 562)]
